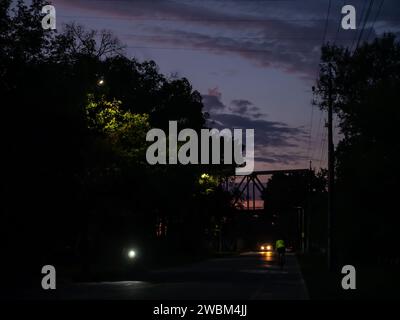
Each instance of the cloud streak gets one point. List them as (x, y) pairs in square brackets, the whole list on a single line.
[(274, 141), (284, 35)]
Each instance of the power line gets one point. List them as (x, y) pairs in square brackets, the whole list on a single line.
[(371, 2), (339, 24), (317, 72), (311, 127), (326, 22), (359, 22), (375, 19)]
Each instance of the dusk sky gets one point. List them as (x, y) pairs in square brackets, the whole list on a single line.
[(253, 61)]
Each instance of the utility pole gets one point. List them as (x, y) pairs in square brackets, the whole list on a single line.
[(301, 227), (331, 213), (308, 218), (303, 231)]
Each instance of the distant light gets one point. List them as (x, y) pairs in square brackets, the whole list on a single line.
[(262, 248), (100, 82), (131, 254), (269, 248), (205, 176)]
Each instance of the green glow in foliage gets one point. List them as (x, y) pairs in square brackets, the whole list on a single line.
[(208, 183), (124, 130), (107, 116)]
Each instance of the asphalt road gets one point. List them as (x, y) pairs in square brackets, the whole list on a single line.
[(251, 275)]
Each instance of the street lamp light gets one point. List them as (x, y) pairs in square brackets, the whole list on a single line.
[(131, 254)]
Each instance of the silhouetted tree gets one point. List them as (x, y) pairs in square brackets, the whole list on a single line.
[(365, 93), (74, 167)]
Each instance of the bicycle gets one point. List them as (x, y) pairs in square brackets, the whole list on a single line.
[(281, 257)]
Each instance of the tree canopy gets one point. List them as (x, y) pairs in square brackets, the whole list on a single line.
[(76, 113), (365, 91)]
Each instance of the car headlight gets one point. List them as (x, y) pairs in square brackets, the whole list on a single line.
[(262, 248), (269, 247)]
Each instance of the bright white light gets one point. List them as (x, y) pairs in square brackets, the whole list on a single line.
[(101, 82), (131, 254), (268, 247)]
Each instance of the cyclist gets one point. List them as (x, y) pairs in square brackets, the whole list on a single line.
[(281, 249)]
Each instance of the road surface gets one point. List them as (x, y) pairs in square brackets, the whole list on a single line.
[(251, 275)]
